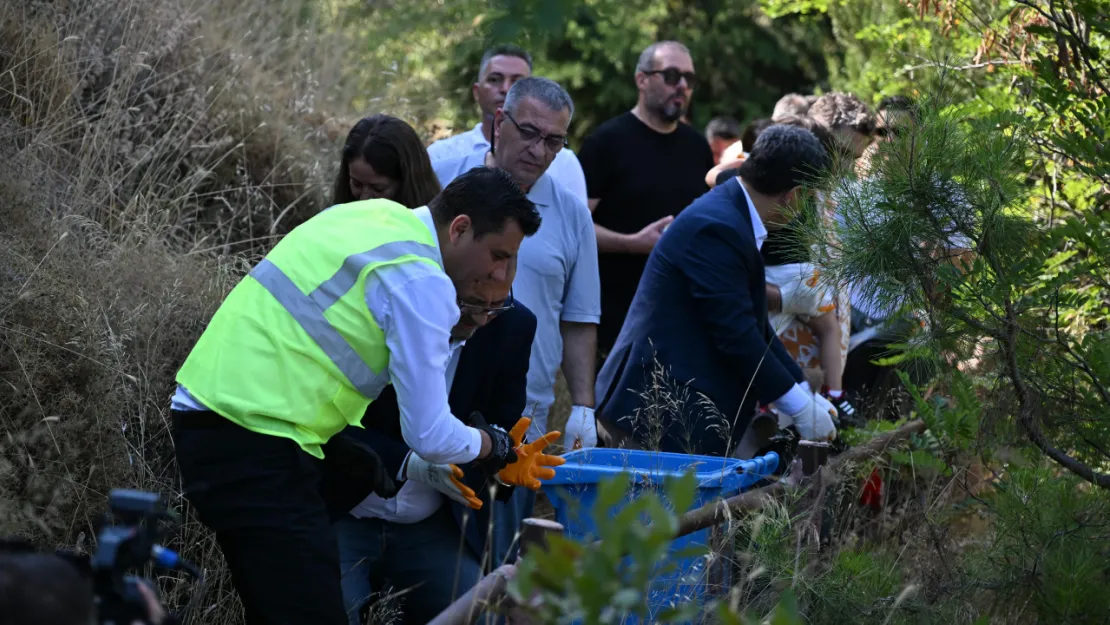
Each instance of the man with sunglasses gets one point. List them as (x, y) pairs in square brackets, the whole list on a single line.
[(558, 267), (642, 168)]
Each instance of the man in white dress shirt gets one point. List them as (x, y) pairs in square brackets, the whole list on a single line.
[(361, 296), (500, 68)]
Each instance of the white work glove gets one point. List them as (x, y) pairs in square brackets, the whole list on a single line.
[(814, 421), (581, 430), (442, 477)]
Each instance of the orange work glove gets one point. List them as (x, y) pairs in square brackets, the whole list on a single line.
[(532, 464)]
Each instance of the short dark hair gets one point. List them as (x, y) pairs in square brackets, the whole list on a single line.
[(784, 157), (752, 132), (900, 103), (828, 141), (395, 151), (504, 49), (646, 62), (43, 588), (724, 127), (490, 197)]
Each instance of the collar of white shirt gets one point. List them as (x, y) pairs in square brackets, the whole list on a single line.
[(479, 139), (758, 229), (425, 216)]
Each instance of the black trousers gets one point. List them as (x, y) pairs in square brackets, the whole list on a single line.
[(260, 495)]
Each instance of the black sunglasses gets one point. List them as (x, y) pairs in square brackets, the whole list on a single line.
[(671, 76), (553, 143), (889, 131), (491, 312)]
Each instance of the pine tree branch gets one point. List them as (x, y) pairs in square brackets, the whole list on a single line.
[(1025, 411)]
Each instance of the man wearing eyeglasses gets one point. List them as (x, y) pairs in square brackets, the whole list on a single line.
[(558, 278), (642, 168), (500, 68), (430, 538)]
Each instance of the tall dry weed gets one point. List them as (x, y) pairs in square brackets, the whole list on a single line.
[(148, 151)]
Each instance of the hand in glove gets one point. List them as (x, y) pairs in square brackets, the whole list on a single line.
[(581, 428), (532, 464), (814, 421), (501, 445), (442, 477)]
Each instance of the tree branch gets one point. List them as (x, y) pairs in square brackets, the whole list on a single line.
[(722, 510), (1025, 410)]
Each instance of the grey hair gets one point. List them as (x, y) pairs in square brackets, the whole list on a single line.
[(843, 110), (545, 90), (647, 57), (791, 104), (503, 50)]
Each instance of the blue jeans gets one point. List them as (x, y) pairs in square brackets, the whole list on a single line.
[(428, 560), (507, 518)]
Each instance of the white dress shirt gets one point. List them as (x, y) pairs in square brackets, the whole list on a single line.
[(415, 501), (565, 169), (416, 306), (796, 398)]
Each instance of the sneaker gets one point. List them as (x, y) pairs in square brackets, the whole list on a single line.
[(848, 414)]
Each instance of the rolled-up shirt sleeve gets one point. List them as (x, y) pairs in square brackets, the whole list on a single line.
[(415, 306)]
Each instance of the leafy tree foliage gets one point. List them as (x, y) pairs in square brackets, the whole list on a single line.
[(744, 61)]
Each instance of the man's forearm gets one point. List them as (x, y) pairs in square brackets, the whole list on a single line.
[(579, 360), (612, 242)]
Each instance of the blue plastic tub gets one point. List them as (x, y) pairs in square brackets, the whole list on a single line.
[(573, 492)]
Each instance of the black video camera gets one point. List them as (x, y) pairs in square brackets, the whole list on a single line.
[(129, 539)]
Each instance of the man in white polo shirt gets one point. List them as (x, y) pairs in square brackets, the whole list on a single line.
[(557, 277), (500, 68)]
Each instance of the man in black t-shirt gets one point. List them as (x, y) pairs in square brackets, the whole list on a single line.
[(642, 168)]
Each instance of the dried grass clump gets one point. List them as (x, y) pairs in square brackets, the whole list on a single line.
[(148, 152)]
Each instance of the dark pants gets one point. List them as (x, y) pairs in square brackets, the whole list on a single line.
[(259, 494), (426, 561)]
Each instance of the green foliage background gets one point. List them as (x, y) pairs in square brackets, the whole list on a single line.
[(428, 52), (1018, 94)]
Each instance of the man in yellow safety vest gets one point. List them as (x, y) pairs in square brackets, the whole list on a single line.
[(358, 297)]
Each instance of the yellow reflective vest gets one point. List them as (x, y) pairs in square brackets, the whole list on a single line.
[(294, 351)]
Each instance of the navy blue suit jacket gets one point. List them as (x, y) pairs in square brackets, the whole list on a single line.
[(491, 378), (700, 312)]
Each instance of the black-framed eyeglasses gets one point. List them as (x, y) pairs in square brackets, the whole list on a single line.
[(553, 143), (490, 311), (672, 75)]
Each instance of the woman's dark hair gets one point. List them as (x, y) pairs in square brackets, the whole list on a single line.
[(394, 150)]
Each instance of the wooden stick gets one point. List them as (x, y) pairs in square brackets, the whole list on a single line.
[(468, 607), (719, 511)]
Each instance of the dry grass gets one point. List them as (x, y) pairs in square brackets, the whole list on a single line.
[(148, 151)]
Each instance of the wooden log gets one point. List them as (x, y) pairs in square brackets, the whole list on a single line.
[(466, 609), (719, 511)]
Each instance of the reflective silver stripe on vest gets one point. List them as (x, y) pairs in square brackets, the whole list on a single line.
[(311, 318), (335, 287)]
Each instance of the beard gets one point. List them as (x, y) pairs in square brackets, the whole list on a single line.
[(668, 110)]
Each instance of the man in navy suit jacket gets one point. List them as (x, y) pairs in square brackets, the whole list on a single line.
[(696, 351), (439, 557)]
